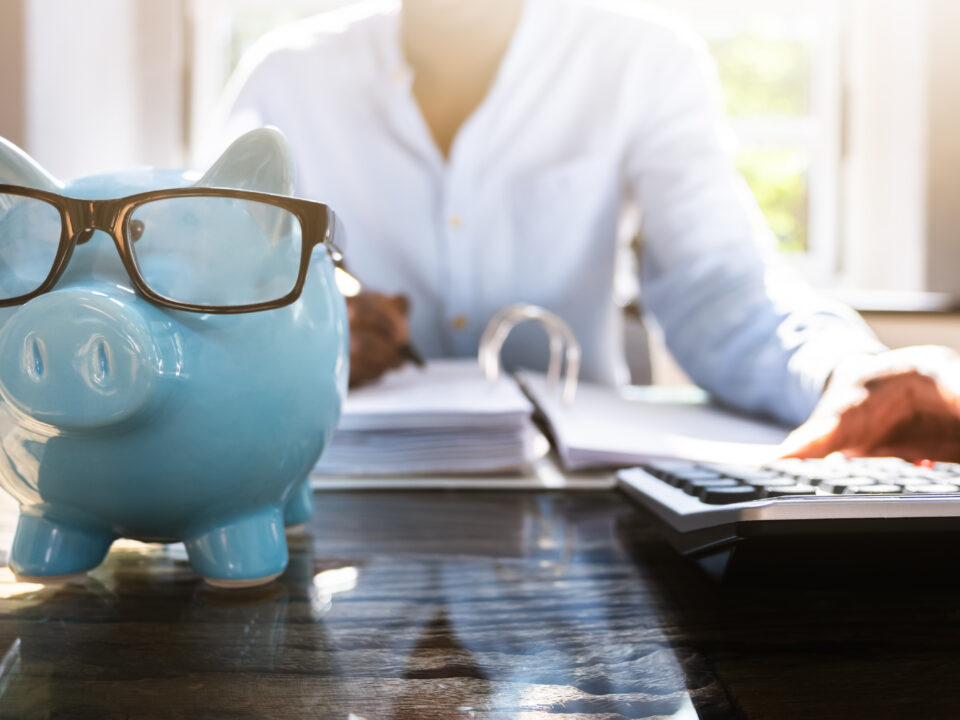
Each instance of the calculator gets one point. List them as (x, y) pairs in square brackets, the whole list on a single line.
[(843, 518)]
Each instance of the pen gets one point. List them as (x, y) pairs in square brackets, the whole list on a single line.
[(412, 354)]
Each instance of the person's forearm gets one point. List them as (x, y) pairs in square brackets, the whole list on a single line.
[(755, 350)]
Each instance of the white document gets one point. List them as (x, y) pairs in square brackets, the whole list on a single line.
[(607, 426), (443, 418), (445, 391)]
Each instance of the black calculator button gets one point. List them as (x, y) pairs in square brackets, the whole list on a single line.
[(845, 485), (693, 487), (748, 475), (786, 490), (727, 495), (699, 474), (778, 481), (669, 467)]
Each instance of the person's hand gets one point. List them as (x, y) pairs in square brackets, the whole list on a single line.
[(378, 332), (902, 403)]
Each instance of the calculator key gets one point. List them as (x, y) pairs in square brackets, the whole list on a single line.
[(936, 475), (890, 463), (670, 467), (787, 490), (811, 466), (778, 481), (912, 482), (934, 488), (822, 476), (731, 470), (681, 479), (878, 489), (740, 471), (880, 474), (761, 475), (953, 468), (727, 495), (787, 465), (698, 474), (693, 487), (843, 485)]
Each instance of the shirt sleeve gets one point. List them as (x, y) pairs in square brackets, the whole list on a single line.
[(743, 328)]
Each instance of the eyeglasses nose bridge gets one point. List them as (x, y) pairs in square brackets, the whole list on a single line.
[(91, 215)]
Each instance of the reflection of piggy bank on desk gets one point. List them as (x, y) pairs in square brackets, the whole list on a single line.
[(123, 414)]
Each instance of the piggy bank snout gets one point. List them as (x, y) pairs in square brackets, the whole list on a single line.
[(77, 359)]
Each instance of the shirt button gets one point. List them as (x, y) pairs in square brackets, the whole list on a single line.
[(459, 322), (455, 221)]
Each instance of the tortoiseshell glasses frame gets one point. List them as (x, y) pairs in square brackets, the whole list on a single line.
[(80, 218)]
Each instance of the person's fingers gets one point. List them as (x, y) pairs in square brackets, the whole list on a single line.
[(372, 349), (907, 420), (401, 303), (940, 450), (374, 325), (924, 436), (818, 437), (919, 392), (882, 405), (373, 312), (860, 425), (370, 356)]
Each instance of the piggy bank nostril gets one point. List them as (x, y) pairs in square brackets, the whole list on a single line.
[(97, 363), (34, 361), (102, 361)]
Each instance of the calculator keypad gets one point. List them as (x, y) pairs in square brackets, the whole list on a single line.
[(719, 484)]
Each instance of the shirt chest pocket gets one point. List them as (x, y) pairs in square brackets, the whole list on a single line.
[(563, 226)]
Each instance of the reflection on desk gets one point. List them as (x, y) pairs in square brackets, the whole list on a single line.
[(472, 604)]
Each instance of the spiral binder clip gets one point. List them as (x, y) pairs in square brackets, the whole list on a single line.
[(563, 345)]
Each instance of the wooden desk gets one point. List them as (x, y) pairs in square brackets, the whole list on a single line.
[(468, 605)]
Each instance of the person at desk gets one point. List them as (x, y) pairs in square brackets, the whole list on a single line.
[(480, 153)]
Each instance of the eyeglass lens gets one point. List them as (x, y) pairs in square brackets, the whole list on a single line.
[(216, 251), (29, 240)]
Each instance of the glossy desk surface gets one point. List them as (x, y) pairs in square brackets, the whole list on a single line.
[(469, 605)]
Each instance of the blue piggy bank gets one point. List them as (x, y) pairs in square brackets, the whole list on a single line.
[(121, 417)]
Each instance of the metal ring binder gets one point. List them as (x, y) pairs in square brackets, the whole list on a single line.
[(561, 338)]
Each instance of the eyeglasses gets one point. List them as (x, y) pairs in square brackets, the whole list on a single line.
[(210, 250)]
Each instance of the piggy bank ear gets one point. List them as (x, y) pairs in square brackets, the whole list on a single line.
[(18, 168), (259, 161)]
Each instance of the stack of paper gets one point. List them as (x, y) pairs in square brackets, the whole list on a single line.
[(446, 417), (606, 426)]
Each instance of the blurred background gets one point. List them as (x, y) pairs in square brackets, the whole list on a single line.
[(845, 112)]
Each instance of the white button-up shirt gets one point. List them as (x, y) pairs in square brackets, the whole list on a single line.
[(591, 108)]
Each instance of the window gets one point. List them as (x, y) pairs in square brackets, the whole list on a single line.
[(222, 31), (780, 66)]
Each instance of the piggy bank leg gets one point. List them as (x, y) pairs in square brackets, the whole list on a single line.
[(242, 552), (299, 507), (45, 550)]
